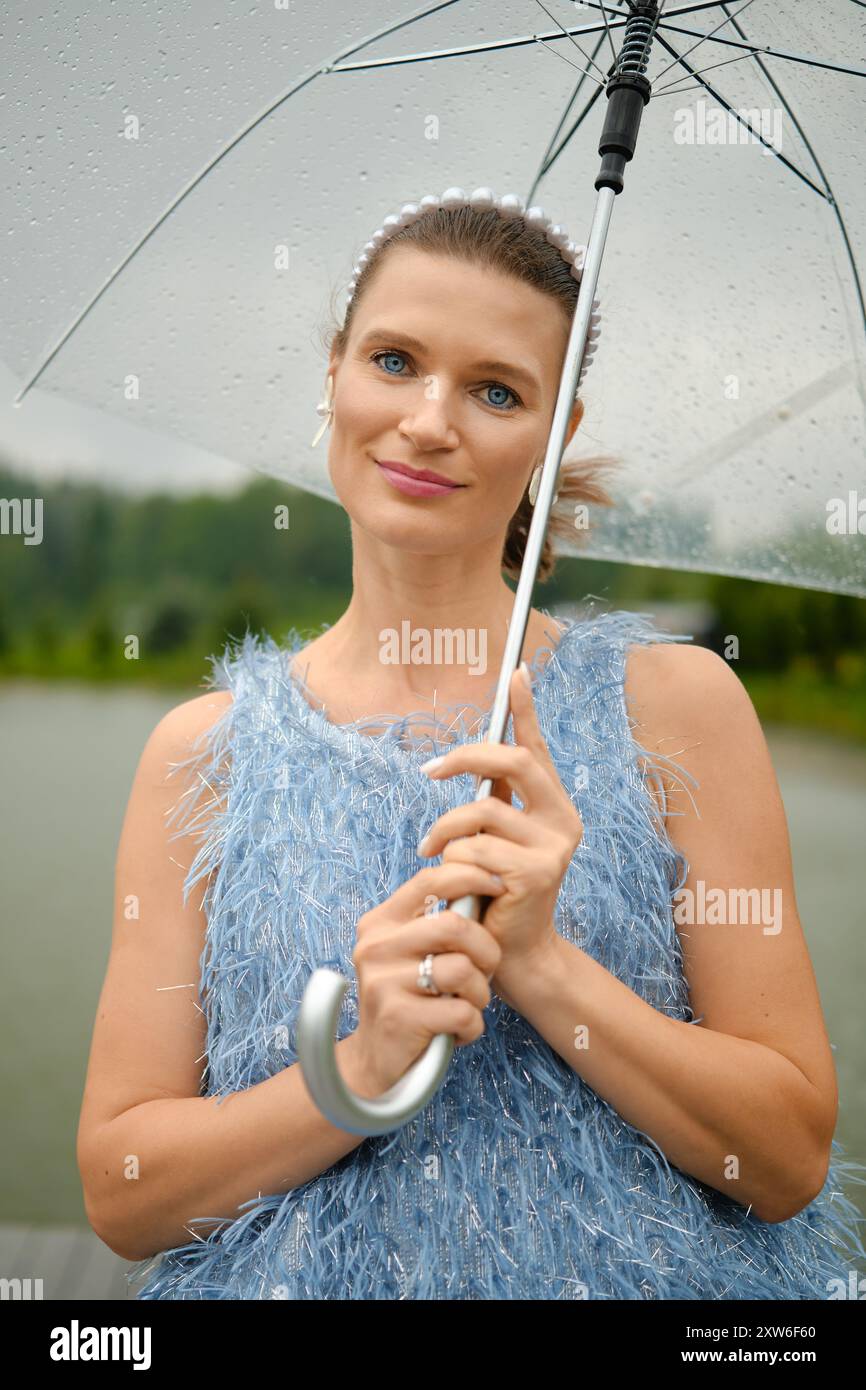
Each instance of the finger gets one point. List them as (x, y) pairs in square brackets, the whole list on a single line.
[(497, 856), (527, 731), (518, 766), (450, 931), (445, 1015), (453, 973), (435, 882), (488, 814)]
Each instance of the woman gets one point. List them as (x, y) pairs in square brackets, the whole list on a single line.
[(638, 1106)]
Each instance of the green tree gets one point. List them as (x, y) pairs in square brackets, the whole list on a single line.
[(100, 641), (244, 607), (172, 625)]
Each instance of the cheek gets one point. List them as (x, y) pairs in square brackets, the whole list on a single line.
[(361, 405), (514, 468), (358, 423)]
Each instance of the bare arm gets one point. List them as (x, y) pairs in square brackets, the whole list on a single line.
[(745, 1100), (152, 1152), (196, 1158)]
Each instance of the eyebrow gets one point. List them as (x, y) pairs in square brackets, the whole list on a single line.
[(406, 340)]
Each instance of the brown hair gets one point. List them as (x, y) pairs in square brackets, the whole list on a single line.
[(510, 246)]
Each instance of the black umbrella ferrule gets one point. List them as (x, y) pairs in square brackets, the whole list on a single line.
[(628, 92)]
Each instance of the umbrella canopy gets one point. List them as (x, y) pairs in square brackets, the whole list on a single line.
[(182, 217)]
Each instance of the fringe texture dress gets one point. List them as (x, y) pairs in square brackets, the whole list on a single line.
[(517, 1181)]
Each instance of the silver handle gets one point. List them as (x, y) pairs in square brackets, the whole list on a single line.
[(317, 1026)]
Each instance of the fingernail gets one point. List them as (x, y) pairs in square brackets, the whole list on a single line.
[(524, 671), (432, 764), (422, 844)]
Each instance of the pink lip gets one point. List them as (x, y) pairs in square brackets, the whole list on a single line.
[(415, 484)]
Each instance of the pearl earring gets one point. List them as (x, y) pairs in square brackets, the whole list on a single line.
[(533, 486), (325, 408)]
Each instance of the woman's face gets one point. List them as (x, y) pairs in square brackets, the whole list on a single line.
[(438, 405)]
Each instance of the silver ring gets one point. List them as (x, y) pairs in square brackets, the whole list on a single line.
[(425, 976)]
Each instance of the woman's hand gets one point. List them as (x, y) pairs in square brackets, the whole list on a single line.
[(397, 1019), (530, 850)]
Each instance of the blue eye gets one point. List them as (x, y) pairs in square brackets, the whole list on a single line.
[(497, 386), (377, 355), (491, 385)]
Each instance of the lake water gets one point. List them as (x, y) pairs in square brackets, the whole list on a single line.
[(68, 754)]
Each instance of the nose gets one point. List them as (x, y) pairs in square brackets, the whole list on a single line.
[(427, 421)]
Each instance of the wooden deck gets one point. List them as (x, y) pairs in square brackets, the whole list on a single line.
[(71, 1261)]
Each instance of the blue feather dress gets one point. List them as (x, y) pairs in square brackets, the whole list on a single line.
[(517, 1180)]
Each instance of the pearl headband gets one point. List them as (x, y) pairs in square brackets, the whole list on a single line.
[(509, 206)]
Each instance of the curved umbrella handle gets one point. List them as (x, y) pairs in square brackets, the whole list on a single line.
[(317, 1027), (320, 1006)]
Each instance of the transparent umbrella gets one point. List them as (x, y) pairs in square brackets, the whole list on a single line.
[(178, 221), (183, 271)]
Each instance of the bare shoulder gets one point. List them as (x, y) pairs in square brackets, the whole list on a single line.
[(682, 679), (202, 710), (183, 723), (687, 703), (173, 740)]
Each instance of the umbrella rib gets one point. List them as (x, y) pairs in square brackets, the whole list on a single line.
[(584, 72), (574, 40), (769, 50), (547, 164), (548, 161), (825, 193), (674, 86), (663, 21), (335, 66), (518, 41), (620, 18), (230, 145), (658, 77), (727, 105), (672, 14), (816, 161), (544, 165), (607, 30)]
